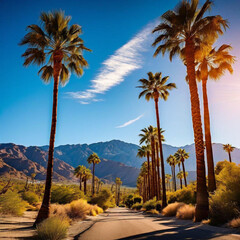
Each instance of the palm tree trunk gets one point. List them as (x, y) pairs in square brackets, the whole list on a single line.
[(159, 195), (184, 173), (229, 156), (180, 182), (45, 208), (93, 180), (149, 183), (164, 196), (85, 186), (80, 186), (210, 162), (153, 168), (180, 178), (202, 207), (174, 177)]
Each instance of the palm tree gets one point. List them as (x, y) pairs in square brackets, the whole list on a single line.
[(181, 155), (171, 160), (212, 64), (168, 178), (118, 183), (180, 177), (60, 46), (145, 151), (155, 87), (93, 159), (148, 135), (180, 33), (79, 172), (87, 175), (228, 148)]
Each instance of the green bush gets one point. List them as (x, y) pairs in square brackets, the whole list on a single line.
[(186, 195), (122, 205), (103, 199), (159, 206), (31, 197), (149, 205), (54, 228), (129, 201), (225, 202), (137, 206), (65, 194), (12, 204), (137, 199)]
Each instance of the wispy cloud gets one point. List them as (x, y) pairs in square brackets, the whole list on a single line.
[(130, 122), (124, 60)]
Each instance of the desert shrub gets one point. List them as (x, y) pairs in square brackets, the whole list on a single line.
[(122, 205), (225, 202), (186, 212), (12, 204), (149, 205), (171, 209), (137, 206), (234, 223), (94, 210), (186, 195), (153, 211), (58, 210), (53, 228), (137, 199), (129, 201), (159, 206), (103, 199), (65, 194), (77, 209), (31, 197), (221, 165)]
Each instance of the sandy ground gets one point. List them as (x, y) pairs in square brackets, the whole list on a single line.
[(17, 227)]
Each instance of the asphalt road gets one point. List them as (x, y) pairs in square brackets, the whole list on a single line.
[(123, 224)]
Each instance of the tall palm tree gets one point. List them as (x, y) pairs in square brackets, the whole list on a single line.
[(168, 178), (149, 135), (156, 87), (93, 159), (180, 177), (59, 46), (181, 155), (228, 148), (145, 151), (171, 160), (180, 33), (118, 186), (87, 175), (212, 64), (79, 172)]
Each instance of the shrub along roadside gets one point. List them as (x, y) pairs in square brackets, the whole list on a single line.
[(12, 204)]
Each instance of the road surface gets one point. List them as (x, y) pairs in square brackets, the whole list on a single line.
[(123, 224)]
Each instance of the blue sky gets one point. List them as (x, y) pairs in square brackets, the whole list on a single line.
[(103, 104)]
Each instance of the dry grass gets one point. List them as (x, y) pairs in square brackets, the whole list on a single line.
[(153, 211), (235, 223), (54, 228), (76, 209), (186, 212), (171, 209)]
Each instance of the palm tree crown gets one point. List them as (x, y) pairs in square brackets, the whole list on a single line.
[(55, 39), (184, 23), (148, 133), (228, 148), (213, 63), (155, 86), (181, 155), (93, 159)]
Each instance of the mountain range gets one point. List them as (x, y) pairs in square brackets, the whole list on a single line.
[(118, 159)]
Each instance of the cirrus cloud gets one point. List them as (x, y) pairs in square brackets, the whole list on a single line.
[(130, 122), (119, 65)]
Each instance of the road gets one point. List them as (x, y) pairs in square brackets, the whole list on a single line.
[(124, 224)]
